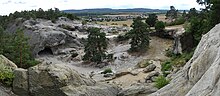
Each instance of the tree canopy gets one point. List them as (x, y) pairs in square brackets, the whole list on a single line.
[(139, 35), (16, 48), (172, 13), (151, 19), (95, 48)]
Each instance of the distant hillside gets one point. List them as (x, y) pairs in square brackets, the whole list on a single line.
[(108, 10)]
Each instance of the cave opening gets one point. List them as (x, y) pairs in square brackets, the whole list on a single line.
[(46, 51)]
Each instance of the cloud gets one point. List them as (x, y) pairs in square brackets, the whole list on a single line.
[(18, 5), (9, 1), (20, 2)]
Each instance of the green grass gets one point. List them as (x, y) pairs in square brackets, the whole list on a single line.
[(108, 70), (6, 75), (176, 60), (161, 81)]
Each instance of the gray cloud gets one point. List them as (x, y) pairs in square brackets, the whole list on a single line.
[(20, 2), (9, 1), (33, 6)]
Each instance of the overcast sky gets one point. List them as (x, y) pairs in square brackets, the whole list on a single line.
[(9, 6)]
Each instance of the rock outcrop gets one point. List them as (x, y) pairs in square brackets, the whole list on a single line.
[(201, 74), (136, 90), (58, 80), (5, 62), (20, 83), (45, 35)]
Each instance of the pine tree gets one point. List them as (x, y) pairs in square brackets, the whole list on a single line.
[(16, 48), (96, 45), (139, 35)]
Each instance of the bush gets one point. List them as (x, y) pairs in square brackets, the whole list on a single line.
[(160, 26), (6, 75), (108, 70), (169, 53), (122, 37), (161, 81), (166, 66)]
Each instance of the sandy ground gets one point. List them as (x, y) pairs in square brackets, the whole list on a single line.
[(156, 52)]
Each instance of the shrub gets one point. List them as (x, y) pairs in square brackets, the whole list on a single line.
[(6, 75), (108, 70), (169, 53), (160, 26), (161, 81), (166, 66), (122, 37)]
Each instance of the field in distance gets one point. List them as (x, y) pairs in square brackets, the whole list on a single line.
[(161, 17)]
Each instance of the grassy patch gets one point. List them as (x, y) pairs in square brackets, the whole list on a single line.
[(161, 81), (6, 75), (108, 70), (176, 60)]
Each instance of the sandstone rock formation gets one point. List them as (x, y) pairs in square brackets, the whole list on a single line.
[(5, 62), (58, 80), (47, 36), (200, 76), (20, 83), (137, 90)]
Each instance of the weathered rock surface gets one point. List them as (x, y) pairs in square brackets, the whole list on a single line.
[(150, 68), (3, 92), (59, 80), (20, 83), (137, 90), (6, 62), (45, 34), (64, 33), (200, 76)]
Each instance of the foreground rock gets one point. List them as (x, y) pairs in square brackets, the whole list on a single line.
[(7, 63), (137, 90), (20, 83), (200, 76), (59, 80)]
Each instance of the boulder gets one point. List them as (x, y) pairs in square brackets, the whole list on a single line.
[(58, 80), (6, 62), (150, 76), (200, 76), (137, 90), (149, 68), (3, 92), (46, 80), (20, 83)]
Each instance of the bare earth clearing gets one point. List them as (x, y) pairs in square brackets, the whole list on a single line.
[(156, 53)]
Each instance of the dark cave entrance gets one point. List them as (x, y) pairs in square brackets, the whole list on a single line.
[(46, 51)]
